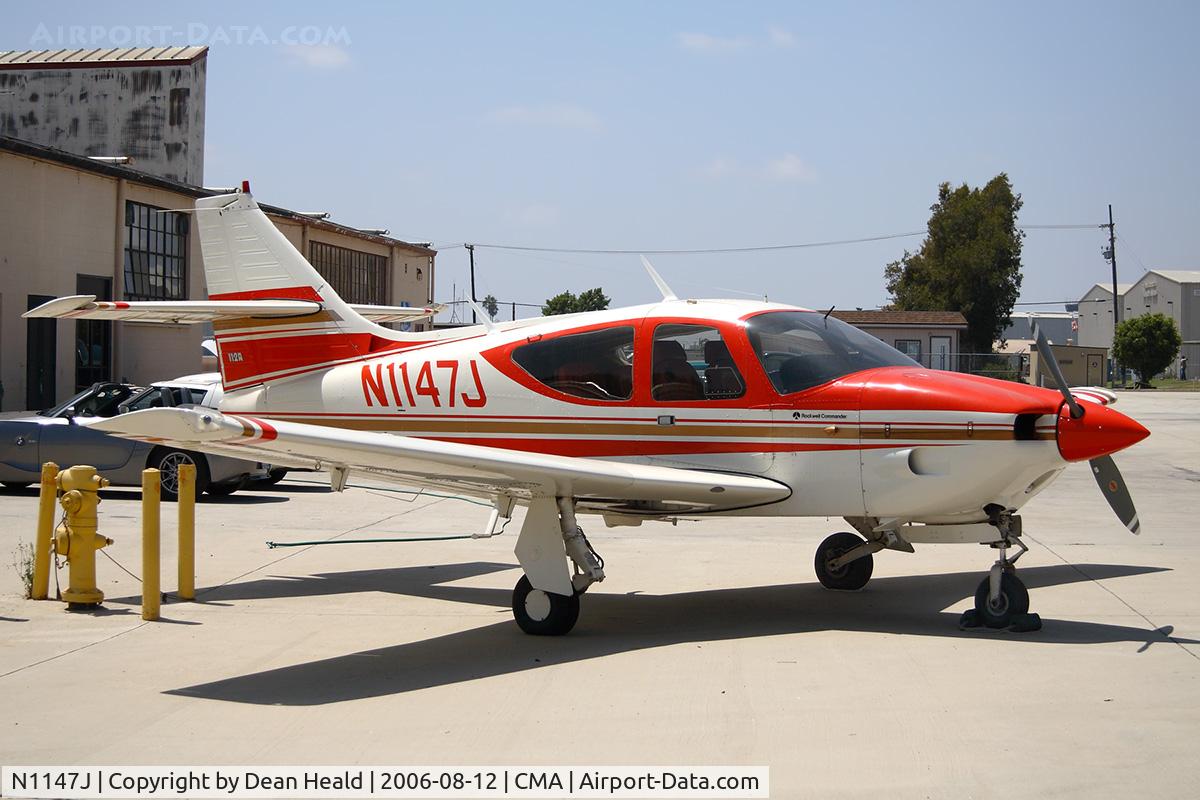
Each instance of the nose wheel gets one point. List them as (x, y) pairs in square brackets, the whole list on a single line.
[(1002, 601)]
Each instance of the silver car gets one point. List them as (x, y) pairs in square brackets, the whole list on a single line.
[(28, 442)]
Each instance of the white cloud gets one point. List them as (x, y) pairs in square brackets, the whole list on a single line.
[(318, 56), (707, 43), (790, 167), (720, 168), (781, 37), (551, 115), (533, 215)]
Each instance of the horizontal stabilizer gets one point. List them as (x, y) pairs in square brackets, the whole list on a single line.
[(85, 306)]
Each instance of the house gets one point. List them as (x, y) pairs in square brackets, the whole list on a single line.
[(929, 337)]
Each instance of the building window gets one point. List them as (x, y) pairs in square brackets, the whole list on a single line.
[(356, 276), (910, 348), (155, 253)]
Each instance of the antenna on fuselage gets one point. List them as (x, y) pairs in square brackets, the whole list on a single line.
[(827, 313), (667, 294), (484, 317)]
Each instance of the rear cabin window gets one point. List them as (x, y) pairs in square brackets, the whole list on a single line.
[(597, 365), (692, 362)]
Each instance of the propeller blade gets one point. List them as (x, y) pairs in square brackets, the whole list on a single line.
[(1112, 485), (1050, 361)]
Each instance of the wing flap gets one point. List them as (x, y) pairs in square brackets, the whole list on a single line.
[(483, 471)]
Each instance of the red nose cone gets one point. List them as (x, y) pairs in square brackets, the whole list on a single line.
[(1100, 431)]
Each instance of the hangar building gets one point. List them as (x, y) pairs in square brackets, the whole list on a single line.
[(144, 103)]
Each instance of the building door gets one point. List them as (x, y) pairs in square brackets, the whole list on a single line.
[(939, 352), (41, 341), (93, 338), (1095, 369)]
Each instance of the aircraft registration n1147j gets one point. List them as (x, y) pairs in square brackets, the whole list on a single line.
[(678, 408)]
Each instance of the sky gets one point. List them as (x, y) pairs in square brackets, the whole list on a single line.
[(673, 125)]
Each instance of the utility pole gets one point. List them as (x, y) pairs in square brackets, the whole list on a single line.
[(1111, 255)]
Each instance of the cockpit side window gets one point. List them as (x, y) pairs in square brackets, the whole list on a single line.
[(802, 349), (597, 365), (692, 362)]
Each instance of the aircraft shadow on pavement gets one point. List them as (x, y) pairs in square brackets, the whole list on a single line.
[(618, 623), (239, 499)]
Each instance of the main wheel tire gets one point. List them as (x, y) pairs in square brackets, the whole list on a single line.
[(167, 461), (226, 488), (274, 476), (540, 613), (15, 486), (850, 577), (1013, 600)]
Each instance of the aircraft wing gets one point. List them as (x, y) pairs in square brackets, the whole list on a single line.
[(86, 306), (635, 489)]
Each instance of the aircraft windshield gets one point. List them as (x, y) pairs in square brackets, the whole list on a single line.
[(802, 349)]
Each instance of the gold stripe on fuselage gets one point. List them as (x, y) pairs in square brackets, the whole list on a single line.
[(450, 425)]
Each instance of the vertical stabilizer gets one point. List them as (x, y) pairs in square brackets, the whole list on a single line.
[(247, 258)]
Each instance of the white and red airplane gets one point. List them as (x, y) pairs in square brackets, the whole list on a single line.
[(678, 408)]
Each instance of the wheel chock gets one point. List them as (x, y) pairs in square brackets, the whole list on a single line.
[(1022, 623), (1025, 623)]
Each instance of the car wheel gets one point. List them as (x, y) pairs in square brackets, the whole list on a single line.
[(226, 488), (15, 486), (167, 461)]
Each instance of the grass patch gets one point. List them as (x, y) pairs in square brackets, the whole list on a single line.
[(1172, 385)]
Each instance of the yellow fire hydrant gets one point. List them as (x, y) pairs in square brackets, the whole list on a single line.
[(76, 538)]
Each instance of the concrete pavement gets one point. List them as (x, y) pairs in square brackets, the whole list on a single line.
[(709, 643)]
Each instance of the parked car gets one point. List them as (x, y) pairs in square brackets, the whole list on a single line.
[(28, 442)]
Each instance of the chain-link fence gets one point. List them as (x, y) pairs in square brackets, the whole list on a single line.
[(1004, 366)]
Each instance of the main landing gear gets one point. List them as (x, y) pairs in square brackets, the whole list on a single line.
[(844, 561), (545, 601)]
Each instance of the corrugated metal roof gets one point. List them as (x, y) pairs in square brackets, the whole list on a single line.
[(891, 317), (100, 56), (1179, 275), (1122, 288)]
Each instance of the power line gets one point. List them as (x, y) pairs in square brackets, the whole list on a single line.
[(748, 249), (1063, 227), (660, 252)]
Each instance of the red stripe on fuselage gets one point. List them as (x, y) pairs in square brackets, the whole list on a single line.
[(597, 448)]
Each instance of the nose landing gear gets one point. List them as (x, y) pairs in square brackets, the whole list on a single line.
[(1002, 601)]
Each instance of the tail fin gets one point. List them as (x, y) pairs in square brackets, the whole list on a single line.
[(247, 258)]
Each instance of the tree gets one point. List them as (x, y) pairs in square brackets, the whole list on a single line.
[(970, 261), (490, 305), (568, 303), (1147, 344)]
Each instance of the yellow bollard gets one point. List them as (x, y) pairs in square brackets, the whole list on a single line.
[(77, 539), (187, 531), (151, 494), (45, 532)]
